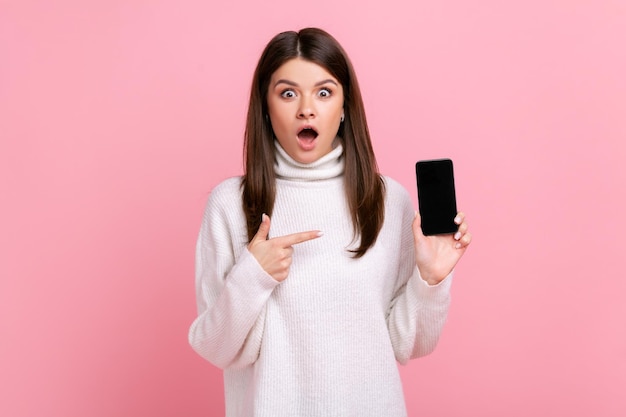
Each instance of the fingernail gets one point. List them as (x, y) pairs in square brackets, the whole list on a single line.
[(320, 233), (457, 220), (263, 217), (458, 245), (457, 236)]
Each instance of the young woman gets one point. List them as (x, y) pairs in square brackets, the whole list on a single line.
[(313, 276)]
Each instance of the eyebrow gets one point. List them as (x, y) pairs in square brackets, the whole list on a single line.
[(293, 84)]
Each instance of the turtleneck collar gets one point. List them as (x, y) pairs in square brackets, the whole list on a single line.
[(328, 166)]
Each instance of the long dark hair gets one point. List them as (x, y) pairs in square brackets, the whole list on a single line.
[(364, 186)]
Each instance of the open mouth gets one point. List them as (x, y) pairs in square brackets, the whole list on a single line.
[(307, 134)]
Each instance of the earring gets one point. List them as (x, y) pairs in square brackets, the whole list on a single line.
[(342, 118)]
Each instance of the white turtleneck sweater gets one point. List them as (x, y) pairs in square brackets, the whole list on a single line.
[(325, 341)]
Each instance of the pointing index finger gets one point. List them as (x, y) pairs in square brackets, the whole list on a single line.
[(295, 238)]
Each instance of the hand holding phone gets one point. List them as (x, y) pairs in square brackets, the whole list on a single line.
[(436, 196)]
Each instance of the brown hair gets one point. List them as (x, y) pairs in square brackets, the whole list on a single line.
[(364, 186)]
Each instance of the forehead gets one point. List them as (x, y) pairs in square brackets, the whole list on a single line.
[(302, 72)]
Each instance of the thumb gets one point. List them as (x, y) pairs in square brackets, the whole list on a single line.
[(264, 228), (417, 225)]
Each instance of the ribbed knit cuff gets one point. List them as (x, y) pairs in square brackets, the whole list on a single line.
[(437, 292), (249, 279)]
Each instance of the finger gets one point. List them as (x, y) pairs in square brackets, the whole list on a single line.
[(464, 241), (288, 252), (417, 225), (295, 238), (461, 231), (264, 229)]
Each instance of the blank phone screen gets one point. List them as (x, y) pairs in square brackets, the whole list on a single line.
[(436, 196)]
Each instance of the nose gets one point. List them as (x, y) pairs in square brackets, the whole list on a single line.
[(306, 109)]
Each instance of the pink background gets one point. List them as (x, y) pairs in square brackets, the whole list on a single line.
[(118, 117)]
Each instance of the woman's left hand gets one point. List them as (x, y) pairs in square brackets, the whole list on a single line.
[(437, 255)]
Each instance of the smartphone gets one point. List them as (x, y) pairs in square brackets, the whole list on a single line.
[(436, 196)]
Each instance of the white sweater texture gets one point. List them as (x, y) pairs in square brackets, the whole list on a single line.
[(326, 341)]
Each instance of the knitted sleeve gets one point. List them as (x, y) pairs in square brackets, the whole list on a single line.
[(231, 290), (418, 311)]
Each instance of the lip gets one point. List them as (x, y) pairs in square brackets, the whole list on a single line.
[(307, 144)]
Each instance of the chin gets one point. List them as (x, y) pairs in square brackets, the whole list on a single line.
[(307, 159)]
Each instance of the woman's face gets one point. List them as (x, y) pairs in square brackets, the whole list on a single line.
[(305, 107)]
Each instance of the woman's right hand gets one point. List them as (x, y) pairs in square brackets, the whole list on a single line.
[(274, 255)]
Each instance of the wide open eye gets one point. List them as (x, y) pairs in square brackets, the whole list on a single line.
[(288, 94), (324, 93)]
